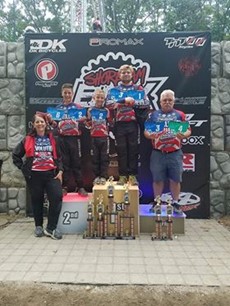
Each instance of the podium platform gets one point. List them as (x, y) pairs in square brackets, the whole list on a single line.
[(119, 192), (147, 220), (73, 216)]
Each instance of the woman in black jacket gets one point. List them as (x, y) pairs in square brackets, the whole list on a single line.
[(38, 157)]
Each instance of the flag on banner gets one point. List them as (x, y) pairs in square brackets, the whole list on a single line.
[(154, 127), (178, 126), (99, 114), (117, 95), (57, 114), (77, 113), (72, 113)]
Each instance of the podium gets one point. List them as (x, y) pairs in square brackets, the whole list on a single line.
[(74, 213), (147, 220), (73, 216), (101, 192)]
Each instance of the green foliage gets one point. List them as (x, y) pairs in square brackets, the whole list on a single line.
[(133, 15), (220, 24), (43, 16), (120, 16)]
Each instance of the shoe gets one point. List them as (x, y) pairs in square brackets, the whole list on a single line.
[(82, 192), (133, 180), (97, 181), (54, 234), (102, 181), (177, 209), (64, 191), (38, 232), (122, 180)]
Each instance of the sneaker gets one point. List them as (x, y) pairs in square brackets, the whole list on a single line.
[(122, 180), (102, 181), (97, 181), (133, 180), (176, 208), (82, 192), (38, 232), (54, 234)]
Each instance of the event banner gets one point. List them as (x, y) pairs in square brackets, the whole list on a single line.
[(180, 61)]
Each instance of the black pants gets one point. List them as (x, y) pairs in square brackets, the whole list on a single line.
[(126, 135), (100, 156), (141, 116), (39, 183), (71, 158)]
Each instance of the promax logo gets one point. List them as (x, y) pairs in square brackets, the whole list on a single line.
[(115, 41), (47, 46)]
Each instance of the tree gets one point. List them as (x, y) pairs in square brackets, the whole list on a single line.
[(221, 20), (185, 15), (43, 16), (169, 15), (120, 16), (11, 22), (47, 15), (133, 15)]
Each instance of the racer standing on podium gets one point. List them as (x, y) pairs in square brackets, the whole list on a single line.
[(69, 132), (98, 117), (128, 112), (166, 161)]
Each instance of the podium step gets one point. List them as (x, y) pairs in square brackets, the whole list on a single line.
[(73, 216), (147, 220)]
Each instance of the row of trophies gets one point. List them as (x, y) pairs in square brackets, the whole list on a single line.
[(112, 221), (163, 226)]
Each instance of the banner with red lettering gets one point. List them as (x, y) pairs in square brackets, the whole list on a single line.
[(177, 61)]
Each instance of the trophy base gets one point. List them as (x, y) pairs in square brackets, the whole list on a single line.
[(110, 237), (127, 237), (95, 238), (163, 238)]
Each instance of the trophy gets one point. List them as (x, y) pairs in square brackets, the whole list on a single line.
[(169, 221), (156, 200), (111, 215), (158, 221), (110, 193), (100, 217), (126, 220), (90, 221)]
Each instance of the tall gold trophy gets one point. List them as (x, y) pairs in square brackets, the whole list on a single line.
[(100, 218), (90, 221), (110, 215), (158, 220), (169, 221), (126, 220)]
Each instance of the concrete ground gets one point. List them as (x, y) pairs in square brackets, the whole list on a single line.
[(201, 257)]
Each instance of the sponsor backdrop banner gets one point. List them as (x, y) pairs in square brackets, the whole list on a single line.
[(178, 61)]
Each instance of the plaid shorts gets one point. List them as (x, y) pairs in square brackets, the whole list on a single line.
[(166, 165)]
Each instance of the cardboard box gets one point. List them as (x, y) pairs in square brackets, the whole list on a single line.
[(101, 191)]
